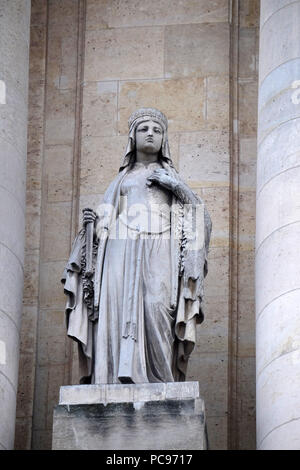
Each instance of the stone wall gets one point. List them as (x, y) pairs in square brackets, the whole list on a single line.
[(93, 62)]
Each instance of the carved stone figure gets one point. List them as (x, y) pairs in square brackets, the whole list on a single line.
[(134, 279)]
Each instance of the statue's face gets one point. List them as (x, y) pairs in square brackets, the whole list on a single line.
[(148, 137)]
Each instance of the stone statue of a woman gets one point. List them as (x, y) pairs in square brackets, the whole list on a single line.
[(134, 279)]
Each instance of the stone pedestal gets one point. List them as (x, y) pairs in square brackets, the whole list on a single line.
[(130, 417)]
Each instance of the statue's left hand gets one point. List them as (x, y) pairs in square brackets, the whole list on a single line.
[(163, 178)]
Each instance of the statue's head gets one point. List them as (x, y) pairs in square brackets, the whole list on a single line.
[(138, 123)]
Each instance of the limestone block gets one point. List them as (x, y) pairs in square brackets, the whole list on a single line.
[(145, 410), (248, 108), (246, 403), (23, 433), (212, 334), (279, 48), (248, 56), (13, 168), (246, 275), (33, 171), (204, 156), (282, 209), (247, 162), (61, 13), (272, 323), (124, 53), (246, 328), (51, 289), (60, 117), (58, 164), (249, 13), (275, 382), (217, 202), (26, 385), (119, 393), (9, 339), (37, 57), (33, 221), (278, 152), (100, 162), (247, 222), (11, 276), (52, 349), (278, 251), (60, 131), (41, 398), (28, 329), (31, 277), (216, 283), (120, 13), (35, 139), (217, 430), (57, 374), (210, 369), (38, 12), (192, 54), (217, 102), (8, 413), (69, 52), (182, 100), (41, 439), (56, 243), (99, 115)]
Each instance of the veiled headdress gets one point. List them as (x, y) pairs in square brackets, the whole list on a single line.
[(142, 115)]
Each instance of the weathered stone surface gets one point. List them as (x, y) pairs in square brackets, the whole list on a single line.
[(192, 54), (211, 375), (100, 162), (217, 102), (248, 108), (119, 393), (174, 410), (120, 13), (248, 66), (204, 156), (168, 96), (100, 109), (120, 54)]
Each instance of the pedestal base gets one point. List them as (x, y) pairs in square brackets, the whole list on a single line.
[(130, 417)]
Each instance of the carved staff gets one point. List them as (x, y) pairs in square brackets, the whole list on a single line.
[(89, 235)]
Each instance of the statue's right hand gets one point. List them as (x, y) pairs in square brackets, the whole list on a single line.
[(88, 216)]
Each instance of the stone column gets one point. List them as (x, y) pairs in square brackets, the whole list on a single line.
[(278, 227), (14, 52)]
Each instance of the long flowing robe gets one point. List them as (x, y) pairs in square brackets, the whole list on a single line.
[(142, 327)]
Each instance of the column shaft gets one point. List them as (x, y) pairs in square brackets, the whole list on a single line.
[(278, 228), (14, 52)]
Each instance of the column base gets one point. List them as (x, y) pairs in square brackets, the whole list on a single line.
[(161, 416)]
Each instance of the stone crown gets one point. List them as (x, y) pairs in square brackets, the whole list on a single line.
[(151, 112)]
